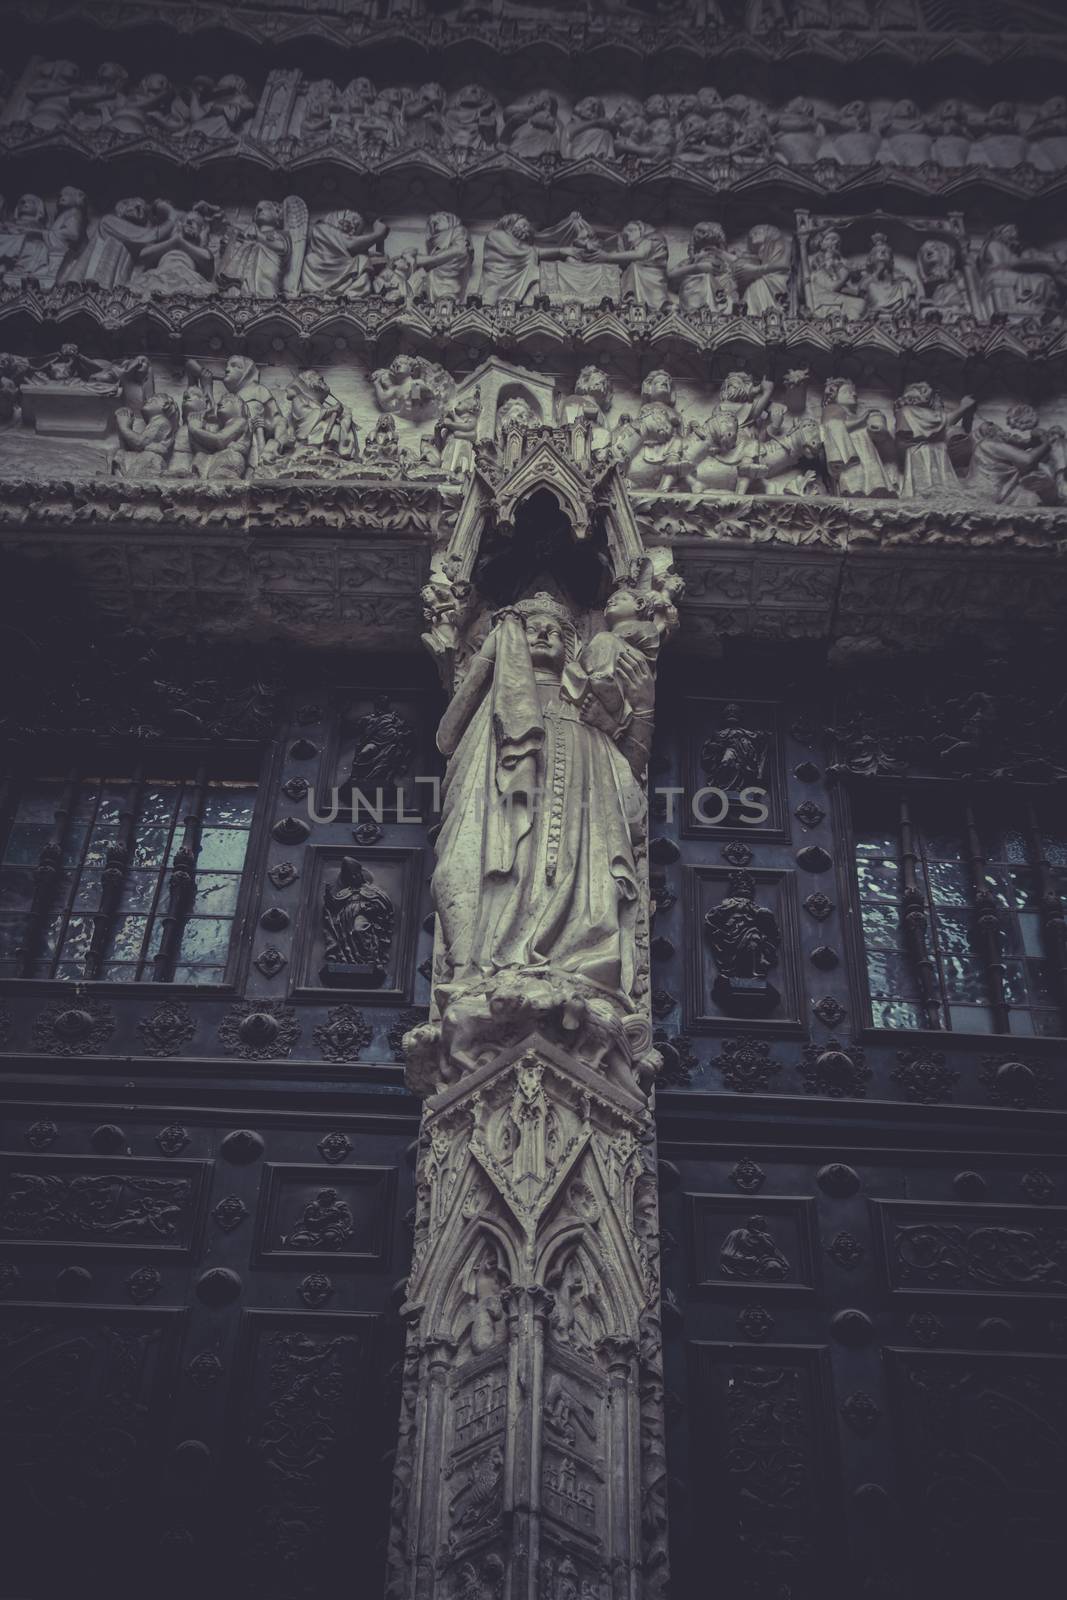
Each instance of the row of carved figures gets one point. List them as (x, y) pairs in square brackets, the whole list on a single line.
[(751, 16), (702, 129), (278, 251), (230, 425)]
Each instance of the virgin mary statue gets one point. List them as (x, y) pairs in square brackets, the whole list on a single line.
[(541, 808)]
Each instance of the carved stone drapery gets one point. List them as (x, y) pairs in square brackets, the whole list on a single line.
[(530, 1459)]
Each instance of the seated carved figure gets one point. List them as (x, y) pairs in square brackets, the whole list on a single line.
[(590, 132), (264, 260), (442, 269), (472, 121), (24, 250), (906, 139), (706, 280), (183, 262), (943, 285), (1018, 282), (343, 255), (951, 127), (1047, 136), (531, 125), (853, 143), (1002, 145), (50, 95), (886, 292)]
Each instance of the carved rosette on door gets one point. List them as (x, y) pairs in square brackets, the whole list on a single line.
[(531, 1458)]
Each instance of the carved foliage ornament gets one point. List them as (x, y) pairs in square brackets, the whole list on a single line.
[(73, 1028), (167, 1028)]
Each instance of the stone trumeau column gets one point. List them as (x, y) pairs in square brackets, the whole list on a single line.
[(530, 1462)]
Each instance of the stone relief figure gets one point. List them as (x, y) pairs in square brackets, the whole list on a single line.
[(763, 268), (745, 939), (193, 407), (642, 253), (926, 428), (851, 433), (343, 256), (511, 260), (411, 387), (183, 262), (49, 96), (114, 250), (472, 121), (941, 278), (69, 369), (24, 245), (456, 433), (885, 291), (222, 440), (578, 1316), (1047, 135), (1001, 144), (950, 124), (710, 456), (906, 139), (240, 381), (481, 1325), (706, 279), (423, 117), (787, 458), (798, 132), (145, 109), (591, 402), (266, 259), (526, 877), (750, 1252), (440, 271), (1017, 282), (317, 422), (384, 746), (734, 757), (650, 450), (590, 132), (147, 442), (326, 1224), (532, 126), (476, 1503), (214, 111), (852, 141), (382, 448), (357, 924), (13, 371), (1011, 461), (830, 279)]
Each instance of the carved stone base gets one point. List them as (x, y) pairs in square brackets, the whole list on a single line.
[(346, 975), (745, 997), (71, 413), (530, 1459)]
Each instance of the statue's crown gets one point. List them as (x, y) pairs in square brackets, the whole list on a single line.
[(541, 605)]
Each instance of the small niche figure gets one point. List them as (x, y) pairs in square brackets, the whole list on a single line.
[(744, 939), (357, 921)]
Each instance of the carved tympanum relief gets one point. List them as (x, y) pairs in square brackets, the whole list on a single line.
[(706, 130), (231, 421), (887, 269)]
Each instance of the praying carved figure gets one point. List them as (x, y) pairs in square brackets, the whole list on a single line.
[(926, 429), (326, 1224), (182, 262), (851, 434), (750, 1252), (147, 442), (357, 920)]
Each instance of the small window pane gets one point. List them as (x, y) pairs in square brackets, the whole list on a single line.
[(1042, 981), (1015, 984), (954, 937), (206, 939), (216, 893), (87, 895), (38, 802), (1054, 848), (964, 979), (881, 925), (1007, 844), (99, 845), (183, 974), (25, 843), (891, 974), (232, 806), (945, 846), (897, 1014), (138, 891), (150, 847), (222, 849), (128, 938), (16, 889), (12, 935), (970, 1019), (158, 806), (949, 883), (878, 876), (1032, 939), (1026, 889), (76, 941)]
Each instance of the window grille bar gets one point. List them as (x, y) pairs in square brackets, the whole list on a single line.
[(46, 877), (113, 878), (1053, 926), (990, 934), (181, 888), (913, 920)]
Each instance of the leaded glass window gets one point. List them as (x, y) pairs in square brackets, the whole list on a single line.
[(88, 880), (962, 910)]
